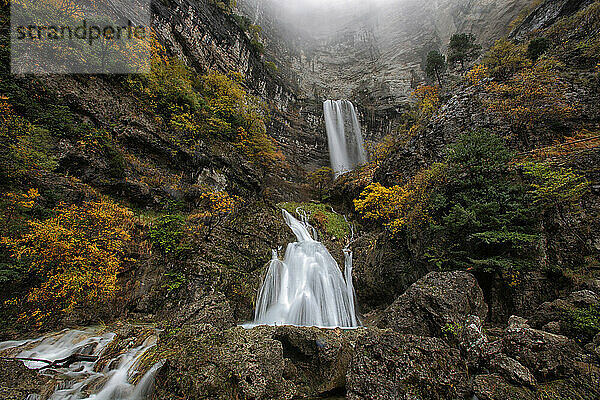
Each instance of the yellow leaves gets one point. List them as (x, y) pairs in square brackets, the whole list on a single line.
[(428, 100), (477, 74), (530, 96), (77, 253), (24, 200), (506, 58), (215, 204), (400, 206), (214, 208)]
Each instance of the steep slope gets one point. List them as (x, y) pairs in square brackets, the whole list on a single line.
[(370, 52)]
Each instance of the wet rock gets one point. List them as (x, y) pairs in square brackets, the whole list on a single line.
[(382, 270), (547, 355), (512, 370), (552, 327), (583, 298), (494, 387), (438, 300), (17, 382), (594, 346), (203, 306), (261, 363), (389, 365), (554, 316), (515, 322)]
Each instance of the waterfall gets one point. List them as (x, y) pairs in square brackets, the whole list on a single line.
[(307, 288), (115, 381), (344, 136)]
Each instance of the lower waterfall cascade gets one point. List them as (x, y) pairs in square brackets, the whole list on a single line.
[(307, 288), (344, 136), (118, 379)]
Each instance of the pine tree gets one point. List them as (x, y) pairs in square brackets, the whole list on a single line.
[(462, 49), (435, 66)]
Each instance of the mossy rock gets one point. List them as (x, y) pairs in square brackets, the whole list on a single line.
[(322, 217)]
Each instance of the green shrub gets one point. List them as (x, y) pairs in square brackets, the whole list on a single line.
[(537, 47), (166, 234), (271, 66), (583, 322)]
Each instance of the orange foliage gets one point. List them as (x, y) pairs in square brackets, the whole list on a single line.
[(214, 208), (531, 96), (76, 254), (400, 206), (582, 141)]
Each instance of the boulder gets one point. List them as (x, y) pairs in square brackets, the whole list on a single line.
[(554, 316), (432, 304), (260, 363), (473, 343), (388, 365), (18, 382), (547, 355), (512, 370), (494, 387)]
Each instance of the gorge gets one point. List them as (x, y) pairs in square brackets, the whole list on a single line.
[(221, 227)]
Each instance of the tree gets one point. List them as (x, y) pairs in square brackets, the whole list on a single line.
[(535, 95), (23, 147), (76, 256), (320, 179), (214, 208), (462, 49), (483, 216), (401, 206), (435, 66)]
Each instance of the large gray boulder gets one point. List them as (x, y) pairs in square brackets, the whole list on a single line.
[(554, 316), (204, 362), (437, 302), (548, 356), (388, 365)]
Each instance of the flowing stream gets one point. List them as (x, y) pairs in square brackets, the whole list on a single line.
[(307, 288), (117, 378), (344, 136)]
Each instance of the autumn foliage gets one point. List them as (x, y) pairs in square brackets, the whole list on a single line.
[(214, 208), (76, 256), (400, 206), (531, 96)]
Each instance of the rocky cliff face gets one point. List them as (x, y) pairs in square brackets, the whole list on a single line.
[(370, 52)]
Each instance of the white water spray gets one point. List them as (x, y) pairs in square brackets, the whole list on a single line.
[(344, 136), (307, 288), (82, 380)]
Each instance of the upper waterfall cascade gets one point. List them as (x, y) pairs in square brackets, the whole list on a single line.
[(307, 288), (344, 136)]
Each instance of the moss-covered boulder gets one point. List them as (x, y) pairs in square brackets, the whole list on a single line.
[(286, 362), (389, 365)]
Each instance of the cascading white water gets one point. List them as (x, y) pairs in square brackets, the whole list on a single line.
[(307, 288), (81, 380), (344, 136)]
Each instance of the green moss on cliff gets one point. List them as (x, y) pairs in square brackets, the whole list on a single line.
[(322, 217)]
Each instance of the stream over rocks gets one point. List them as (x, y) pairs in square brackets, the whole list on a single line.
[(117, 371)]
